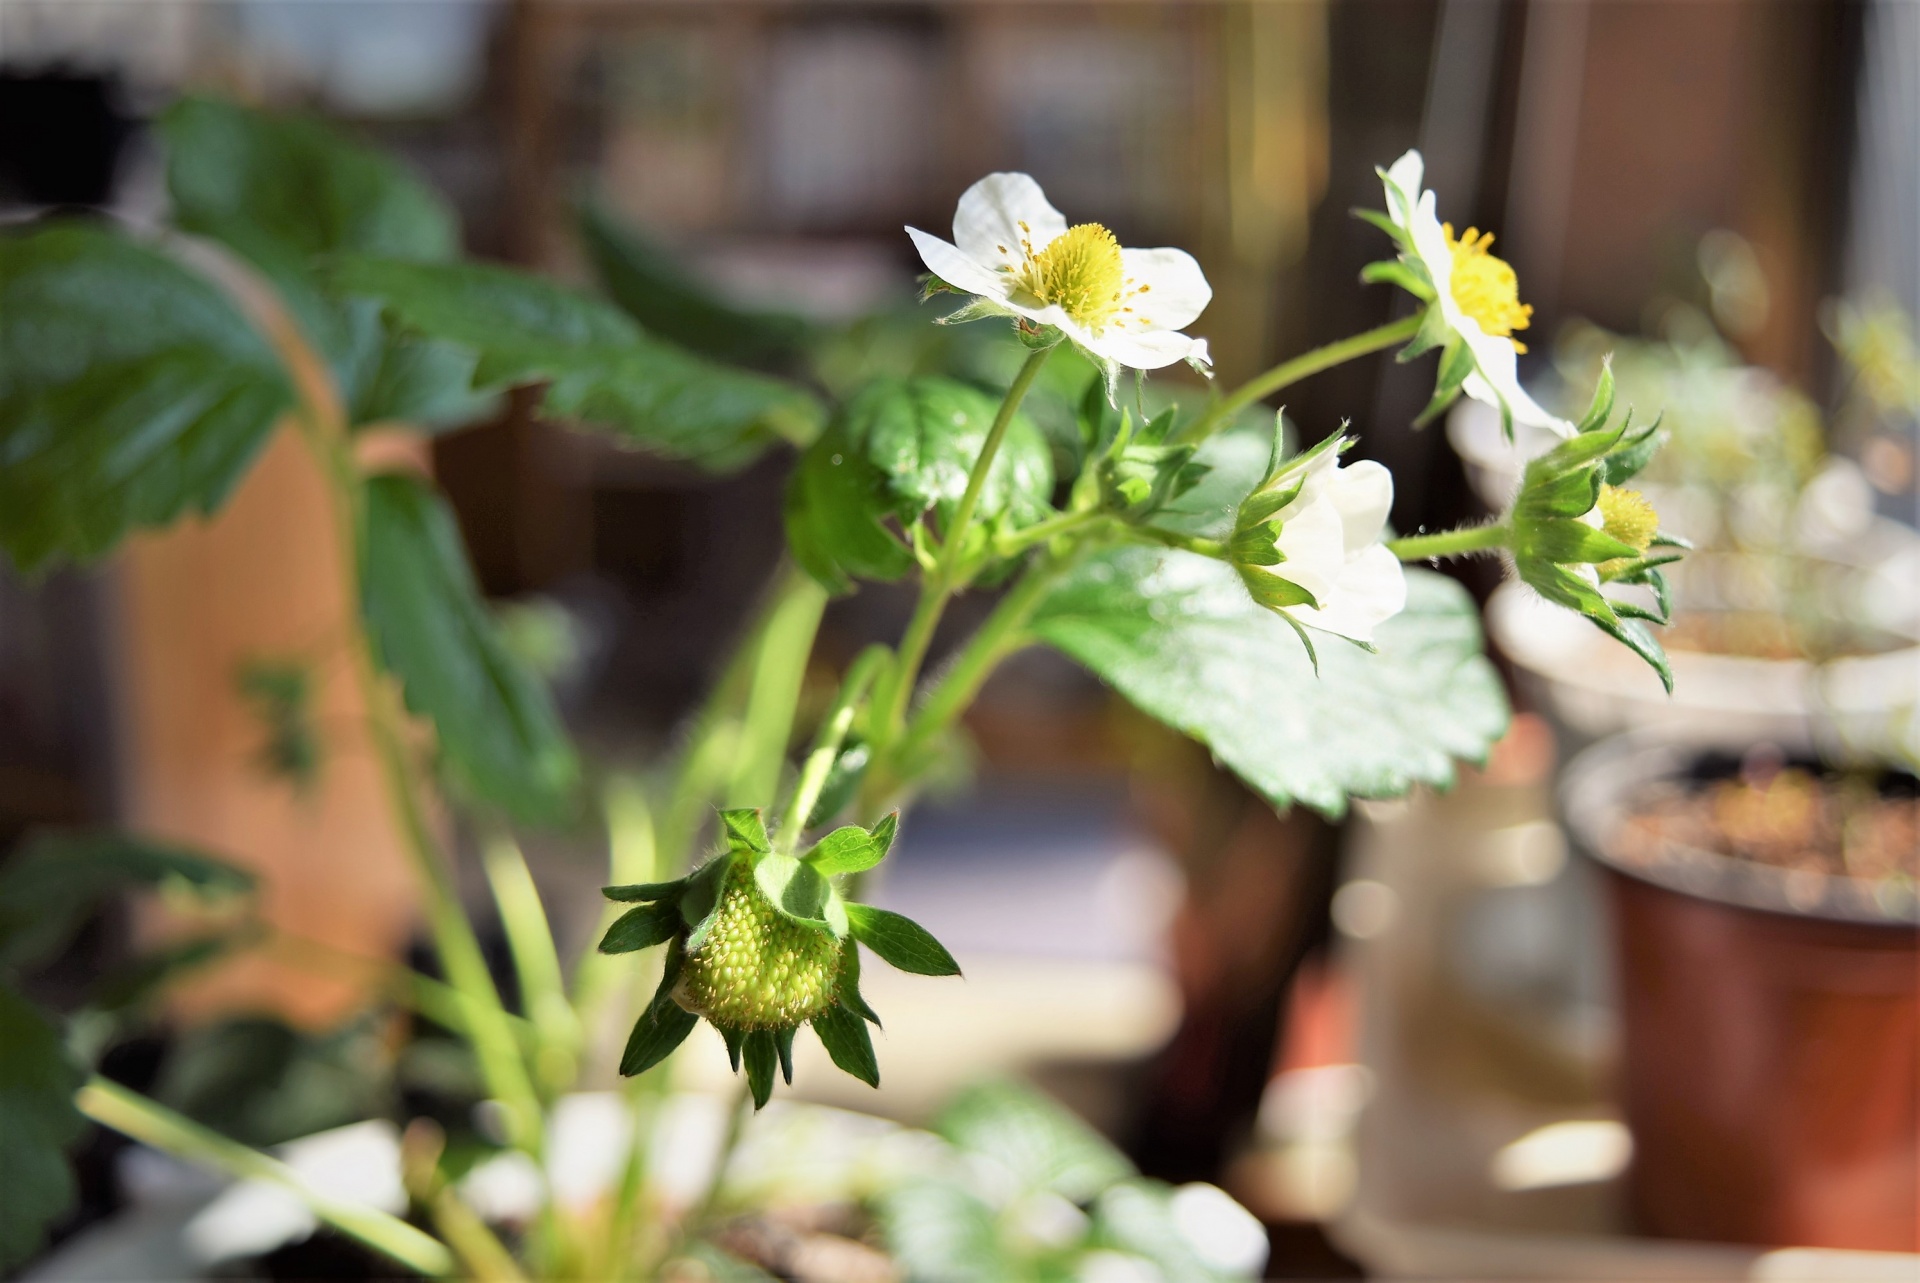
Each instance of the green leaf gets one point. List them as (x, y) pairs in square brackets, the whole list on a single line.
[(760, 1054), (844, 1034), (286, 192), (642, 928), (1035, 1140), (845, 850), (795, 888), (601, 371), (37, 1123), (131, 393), (59, 877), (1178, 635), (498, 730), (744, 829), (942, 1232), (645, 280), (263, 1082), (835, 513), (647, 891), (901, 941), (885, 831)]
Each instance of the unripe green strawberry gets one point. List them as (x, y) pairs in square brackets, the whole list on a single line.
[(757, 968)]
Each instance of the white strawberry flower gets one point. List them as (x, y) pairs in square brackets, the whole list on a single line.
[(1015, 253), (1477, 293), (1329, 546)]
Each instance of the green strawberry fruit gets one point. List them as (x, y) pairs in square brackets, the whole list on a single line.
[(757, 968)]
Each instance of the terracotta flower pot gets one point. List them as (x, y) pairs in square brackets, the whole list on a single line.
[(1770, 1060)]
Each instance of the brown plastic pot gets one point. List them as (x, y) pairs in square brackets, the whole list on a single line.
[(1770, 1059)]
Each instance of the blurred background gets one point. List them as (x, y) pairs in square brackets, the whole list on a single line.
[(1560, 1022)]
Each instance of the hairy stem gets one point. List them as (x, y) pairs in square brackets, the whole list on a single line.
[(147, 1121), (1450, 543), (1290, 372)]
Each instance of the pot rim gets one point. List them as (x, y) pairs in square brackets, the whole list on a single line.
[(1593, 796)]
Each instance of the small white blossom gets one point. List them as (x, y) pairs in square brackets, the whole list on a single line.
[(1477, 294), (1330, 545), (1015, 253)]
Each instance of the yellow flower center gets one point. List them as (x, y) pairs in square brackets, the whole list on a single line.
[(1080, 272), (1485, 287), (1627, 516)]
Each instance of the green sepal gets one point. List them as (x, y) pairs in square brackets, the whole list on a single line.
[(901, 941), (796, 889), (1383, 222), (1433, 332), (885, 831), (647, 890), (1627, 610), (1634, 572), (700, 904), (1273, 592), (848, 984), (1263, 504), (663, 1026), (1573, 453), (783, 1044), (1635, 637), (1566, 542), (744, 830), (834, 914), (1300, 630), (1256, 545), (1626, 462), (850, 849), (844, 1034), (1664, 540), (1600, 409), (1156, 430), (1456, 363), (735, 1040), (1563, 587), (1570, 495), (642, 928), (760, 1056), (1397, 272)]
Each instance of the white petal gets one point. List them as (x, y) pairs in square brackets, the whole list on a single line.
[(987, 228), (952, 266), (1498, 378), (1199, 358), (1406, 174), (1312, 541), (1172, 290), (1363, 495), (1430, 243), (1147, 351), (1372, 589)]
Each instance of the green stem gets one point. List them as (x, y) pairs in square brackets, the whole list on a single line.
[(1003, 633), (150, 1123), (493, 1040), (826, 746), (1290, 372), (1019, 541), (1450, 543), (896, 691), (1215, 548), (779, 668)]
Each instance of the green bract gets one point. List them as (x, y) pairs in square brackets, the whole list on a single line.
[(761, 943), (1564, 546)]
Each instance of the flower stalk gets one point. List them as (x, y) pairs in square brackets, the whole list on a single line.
[(1451, 543), (1289, 372)]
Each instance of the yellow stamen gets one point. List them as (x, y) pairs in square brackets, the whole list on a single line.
[(1627, 516), (1485, 287), (1080, 272)]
